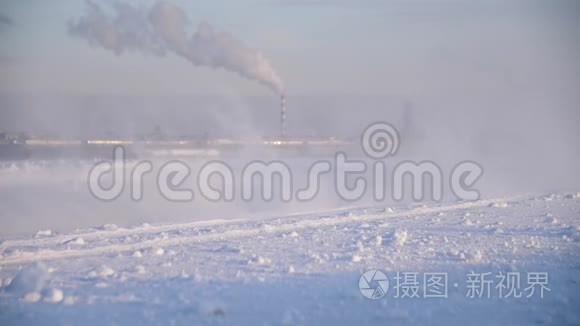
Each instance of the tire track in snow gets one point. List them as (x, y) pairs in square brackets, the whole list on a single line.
[(234, 233), (100, 234)]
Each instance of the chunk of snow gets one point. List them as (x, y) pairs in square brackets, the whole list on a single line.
[(475, 256), (32, 297), (110, 227), (294, 234), (499, 205), (552, 220), (259, 260), (102, 271), (43, 233), (378, 241), (77, 241), (53, 295), (400, 237), (356, 258), (497, 230)]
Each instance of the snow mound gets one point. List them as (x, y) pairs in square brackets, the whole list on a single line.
[(53, 295), (356, 259), (499, 205), (76, 241), (259, 260), (101, 271), (32, 278), (32, 297), (43, 233), (110, 227)]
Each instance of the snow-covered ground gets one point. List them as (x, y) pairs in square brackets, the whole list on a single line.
[(304, 269)]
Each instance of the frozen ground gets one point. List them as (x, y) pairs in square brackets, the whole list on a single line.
[(301, 269)]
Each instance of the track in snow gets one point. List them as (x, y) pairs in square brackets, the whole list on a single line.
[(230, 229)]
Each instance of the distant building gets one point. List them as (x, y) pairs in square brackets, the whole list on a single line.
[(12, 138)]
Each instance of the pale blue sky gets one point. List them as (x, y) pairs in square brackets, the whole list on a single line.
[(409, 48)]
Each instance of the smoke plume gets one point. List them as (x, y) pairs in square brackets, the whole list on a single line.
[(162, 29)]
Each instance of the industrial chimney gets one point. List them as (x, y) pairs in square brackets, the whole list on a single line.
[(282, 116)]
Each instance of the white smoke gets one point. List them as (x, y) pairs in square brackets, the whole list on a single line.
[(162, 29)]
